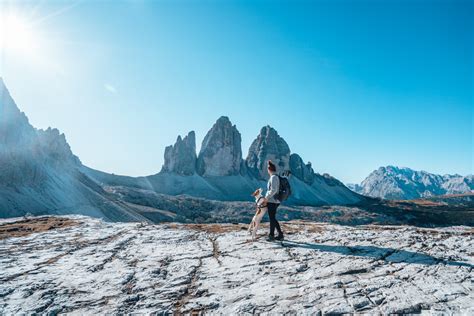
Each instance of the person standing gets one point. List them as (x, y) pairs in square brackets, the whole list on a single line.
[(273, 188)]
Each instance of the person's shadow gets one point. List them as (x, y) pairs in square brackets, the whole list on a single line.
[(378, 253)]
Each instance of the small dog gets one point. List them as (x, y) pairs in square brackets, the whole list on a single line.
[(261, 210)]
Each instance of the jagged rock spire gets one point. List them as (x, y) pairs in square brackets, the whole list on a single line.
[(180, 158), (267, 146), (221, 150), (299, 169)]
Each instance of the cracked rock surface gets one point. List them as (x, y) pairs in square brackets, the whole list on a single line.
[(98, 267)]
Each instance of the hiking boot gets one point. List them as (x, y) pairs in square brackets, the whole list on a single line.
[(270, 238), (279, 237)]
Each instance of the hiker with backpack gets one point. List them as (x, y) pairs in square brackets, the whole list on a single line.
[(278, 190)]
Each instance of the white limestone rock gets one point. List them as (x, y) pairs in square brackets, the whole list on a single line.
[(404, 183), (181, 157), (96, 267), (268, 146), (299, 169), (221, 150)]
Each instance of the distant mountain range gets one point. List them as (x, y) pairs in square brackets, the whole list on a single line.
[(39, 174), (395, 183)]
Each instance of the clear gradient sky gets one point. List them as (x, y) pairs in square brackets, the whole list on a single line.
[(350, 85)]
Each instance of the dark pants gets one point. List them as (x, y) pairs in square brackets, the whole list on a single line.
[(272, 209)]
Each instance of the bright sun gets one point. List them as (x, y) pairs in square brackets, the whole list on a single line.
[(26, 38), (16, 34)]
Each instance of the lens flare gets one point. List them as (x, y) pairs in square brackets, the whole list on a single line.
[(16, 35)]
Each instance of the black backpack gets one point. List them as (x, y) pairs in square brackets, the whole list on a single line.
[(285, 189)]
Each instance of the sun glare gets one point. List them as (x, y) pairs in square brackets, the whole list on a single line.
[(16, 34)]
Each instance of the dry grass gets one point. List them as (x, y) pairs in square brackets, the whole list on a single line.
[(214, 228), (34, 225), (438, 200), (297, 226), (289, 228)]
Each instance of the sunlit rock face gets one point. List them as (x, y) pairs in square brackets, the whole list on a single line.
[(456, 184), (27, 154), (14, 126), (268, 146), (181, 157), (221, 150), (55, 148), (392, 182), (299, 169)]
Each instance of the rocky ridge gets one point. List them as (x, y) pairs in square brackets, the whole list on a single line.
[(396, 183), (39, 174), (181, 157)]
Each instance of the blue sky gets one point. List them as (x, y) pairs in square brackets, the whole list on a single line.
[(350, 85)]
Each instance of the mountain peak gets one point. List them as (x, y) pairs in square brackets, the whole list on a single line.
[(5, 97), (15, 128), (393, 182), (268, 146), (221, 150), (180, 158), (223, 120), (299, 169), (3, 87), (267, 129)]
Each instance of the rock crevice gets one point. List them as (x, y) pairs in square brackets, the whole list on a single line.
[(179, 269)]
